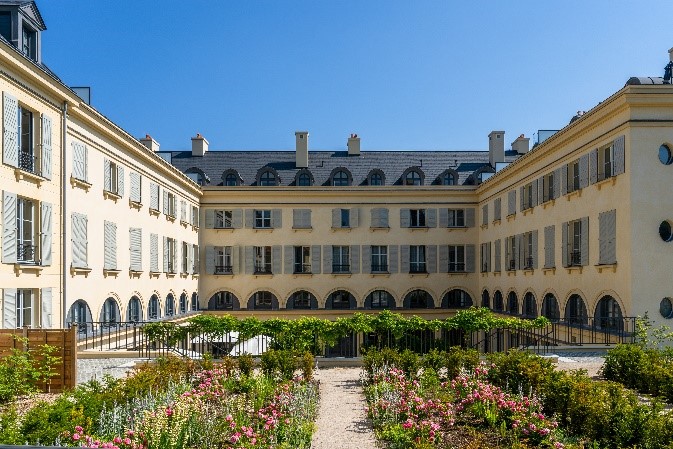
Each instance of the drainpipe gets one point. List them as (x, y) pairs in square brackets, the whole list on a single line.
[(64, 271)]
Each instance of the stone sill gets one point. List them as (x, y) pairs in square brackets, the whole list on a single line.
[(612, 180), (571, 269), (111, 272), (484, 274), (135, 204), (511, 217), (458, 273), (309, 229), (184, 275), (418, 228), (380, 229), (548, 203), (496, 222), (527, 211), (195, 275), (231, 229), (497, 273), (550, 270), (155, 212), (381, 274), (20, 268), (484, 226), (606, 267), (528, 271), (28, 176), (346, 275), (170, 218), (111, 196), (263, 275), (80, 183), (419, 275), (184, 223), (80, 270), (170, 275), (195, 228), (575, 193), (263, 230), (457, 228), (511, 272), (155, 274), (135, 274), (346, 229), (300, 275)]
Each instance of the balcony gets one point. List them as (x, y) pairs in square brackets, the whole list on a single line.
[(418, 268), (224, 269), (263, 269), (300, 268), (26, 253), (28, 162), (381, 268), (575, 258), (341, 268), (456, 267), (528, 263)]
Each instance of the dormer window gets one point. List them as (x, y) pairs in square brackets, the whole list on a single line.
[(340, 179), (376, 178), (413, 178), (29, 44), (449, 178), (304, 180), (267, 178), (230, 180), (6, 25)]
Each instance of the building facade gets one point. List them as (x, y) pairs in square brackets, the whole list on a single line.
[(100, 226)]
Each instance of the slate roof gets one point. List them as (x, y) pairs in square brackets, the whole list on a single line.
[(393, 164)]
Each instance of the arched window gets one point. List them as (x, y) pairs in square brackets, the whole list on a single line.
[(304, 180), (223, 300), (134, 313), (340, 178), (340, 299), (169, 308), (110, 312), (498, 304), (302, 300), (418, 299), (230, 180), (576, 310), (449, 178), (79, 314), (485, 299), (456, 299), (376, 178), (379, 299), (197, 175), (268, 178), (413, 178), (550, 308), (153, 312), (183, 303), (529, 305), (263, 300), (608, 314), (512, 303), (195, 301)]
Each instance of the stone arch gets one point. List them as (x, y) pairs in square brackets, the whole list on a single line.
[(303, 295), (224, 300), (134, 309), (456, 298), (498, 301), (154, 306), (550, 306), (194, 299), (418, 298), (79, 314), (110, 311), (529, 307), (262, 299), (343, 294), (608, 314), (512, 306), (485, 299), (170, 305), (575, 309), (376, 296), (183, 303)]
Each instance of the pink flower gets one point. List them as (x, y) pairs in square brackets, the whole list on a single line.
[(75, 436)]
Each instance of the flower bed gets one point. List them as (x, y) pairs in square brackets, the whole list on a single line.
[(192, 408)]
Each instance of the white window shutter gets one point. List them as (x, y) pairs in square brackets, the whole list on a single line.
[(166, 255), (136, 181), (620, 156), (431, 215), (8, 227), (393, 258), (277, 218), (405, 218), (327, 258), (336, 218), (165, 202), (210, 218), (355, 217), (9, 308), (10, 125), (431, 258), (45, 233), (154, 253), (210, 260), (355, 258), (469, 258), (154, 196), (107, 179), (288, 259), (277, 259), (315, 259), (136, 247), (46, 299), (45, 155)]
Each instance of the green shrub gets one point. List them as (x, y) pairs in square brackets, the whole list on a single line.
[(246, 364), (307, 363), (457, 359), (10, 432), (409, 362), (434, 359), (21, 371), (519, 371)]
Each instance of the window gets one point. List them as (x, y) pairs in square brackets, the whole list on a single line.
[(27, 156), (185, 257), (527, 251), (153, 308), (171, 204), (418, 299), (110, 312), (417, 218), (195, 301), (224, 300), (263, 300), (224, 219), (195, 216), (183, 303), (301, 300), (267, 178), (527, 196), (223, 260), (304, 180), (456, 258), (134, 313), (413, 178), (341, 259), (230, 180), (263, 219), (573, 176), (457, 299), (574, 243), (417, 259), (381, 299), (548, 187), (606, 160), (456, 218), (666, 231), (665, 155), (29, 48), (263, 260), (379, 259), (198, 177), (6, 25), (195, 261), (26, 248), (170, 252), (510, 253), (449, 179), (376, 179), (340, 178), (345, 218), (341, 299), (302, 259), (169, 310), (24, 307)]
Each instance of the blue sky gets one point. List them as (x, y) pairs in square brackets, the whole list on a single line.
[(401, 74)]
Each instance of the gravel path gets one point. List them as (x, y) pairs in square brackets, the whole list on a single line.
[(592, 362), (88, 369), (342, 422)]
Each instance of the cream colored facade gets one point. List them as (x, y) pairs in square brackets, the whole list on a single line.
[(56, 153)]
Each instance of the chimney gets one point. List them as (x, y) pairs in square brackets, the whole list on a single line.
[(496, 147), (353, 145), (521, 144), (150, 143), (301, 138), (670, 54), (199, 145)]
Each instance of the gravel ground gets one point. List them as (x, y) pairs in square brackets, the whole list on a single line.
[(342, 422), (88, 369), (592, 362)]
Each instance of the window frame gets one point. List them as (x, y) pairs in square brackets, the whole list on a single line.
[(548, 187), (301, 259), (418, 218), (456, 218), (172, 252), (27, 250), (224, 219), (417, 259), (456, 258), (224, 260), (341, 262), (263, 219), (345, 218), (379, 259), (606, 162), (573, 180), (23, 310), (574, 250), (340, 178), (413, 178), (268, 179), (262, 259), (185, 258)]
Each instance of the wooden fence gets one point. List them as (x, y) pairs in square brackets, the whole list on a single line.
[(65, 342)]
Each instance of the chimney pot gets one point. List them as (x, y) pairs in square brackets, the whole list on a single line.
[(353, 145), (150, 143)]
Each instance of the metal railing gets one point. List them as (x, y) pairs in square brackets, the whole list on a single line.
[(263, 269), (302, 268), (417, 268), (381, 268), (224, 269), (528, 263), (574, 258), (341, 268), (26, 253), (456, 267), (28, 162)]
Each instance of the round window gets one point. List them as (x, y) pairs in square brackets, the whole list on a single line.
[(665, 231), (666, 308), (665, 155)]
